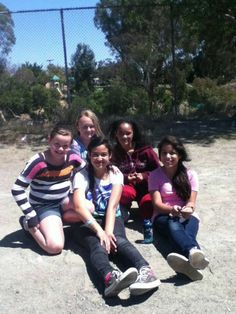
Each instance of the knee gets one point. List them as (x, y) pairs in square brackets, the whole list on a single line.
[(128, 194), (175, 225), (146, 208), (54, 247), (121, 241)]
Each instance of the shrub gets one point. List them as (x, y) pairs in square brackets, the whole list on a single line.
[(205, 97)]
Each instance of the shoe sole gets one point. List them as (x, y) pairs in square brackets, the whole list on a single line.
[(180, 264), (126, 279), (142, 288), (198, 260)]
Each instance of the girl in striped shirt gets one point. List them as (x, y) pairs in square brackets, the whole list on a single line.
[(48, 174)]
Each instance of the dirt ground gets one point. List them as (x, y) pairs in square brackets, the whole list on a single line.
[(33, 282)]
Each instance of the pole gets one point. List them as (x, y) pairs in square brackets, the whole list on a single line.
[(65, 57), (174, 91)]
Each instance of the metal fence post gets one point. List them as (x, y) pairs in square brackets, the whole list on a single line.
[(174, 91), (65, 57)]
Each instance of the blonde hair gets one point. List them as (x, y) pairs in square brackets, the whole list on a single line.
[(91, 115)]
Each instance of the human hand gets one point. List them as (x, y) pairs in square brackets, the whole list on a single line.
[(112, 240), (186, 211), (34, 229), (175, 211), (104, 240), (139, 177), (132, 177)]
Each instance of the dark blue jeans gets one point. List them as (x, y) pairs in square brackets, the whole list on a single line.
[(181, 235), (99, 258)]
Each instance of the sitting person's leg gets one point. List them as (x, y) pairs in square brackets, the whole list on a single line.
[(185, 238), (146, 207), (49, 234), (196, 256), (127, 197), (98, 255), (69, 215), (161, 223), (114, 280), (127, 252)]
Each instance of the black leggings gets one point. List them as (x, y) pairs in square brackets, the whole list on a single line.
[(99, 257)]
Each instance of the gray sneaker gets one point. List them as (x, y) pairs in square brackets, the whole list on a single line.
[(118, 281), (180, 264), (145, 282), (198, 259)]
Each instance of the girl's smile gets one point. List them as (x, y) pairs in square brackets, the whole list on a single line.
[(125, 136), (58, 147), (86, 129), (169, 157), (100, 159)]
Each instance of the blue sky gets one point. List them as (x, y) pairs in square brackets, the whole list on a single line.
[(39, 35)]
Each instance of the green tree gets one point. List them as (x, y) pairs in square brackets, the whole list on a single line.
[(139, 34), (56, 70), (25, 76), (213, 23), (7, 37), (83, 68)]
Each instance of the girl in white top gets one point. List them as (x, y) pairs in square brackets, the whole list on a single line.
[(103, 232)]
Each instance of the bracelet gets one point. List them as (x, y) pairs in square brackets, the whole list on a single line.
[(89, 222)]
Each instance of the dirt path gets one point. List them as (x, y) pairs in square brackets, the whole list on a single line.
[(32, 282)]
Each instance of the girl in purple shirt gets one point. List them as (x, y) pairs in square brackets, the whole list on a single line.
[(173, 190)]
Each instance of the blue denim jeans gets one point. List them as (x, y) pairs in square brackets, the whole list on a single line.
[(126, 252), (181, 235)]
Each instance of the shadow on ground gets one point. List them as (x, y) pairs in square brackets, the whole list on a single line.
[(204, 131), (194, 131)]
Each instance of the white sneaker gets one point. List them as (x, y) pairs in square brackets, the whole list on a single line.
[(180, 264), (118, 281), (145, 282), (197, 259)]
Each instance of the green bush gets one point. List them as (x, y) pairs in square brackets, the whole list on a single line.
[(205, 97)]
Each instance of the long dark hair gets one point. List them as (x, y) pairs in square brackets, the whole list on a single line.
[(95, 142), (180, 180), (138, 137)]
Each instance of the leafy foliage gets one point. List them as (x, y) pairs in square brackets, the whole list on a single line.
[(167, 53), (206, 97), (83, 67), (7, 37)]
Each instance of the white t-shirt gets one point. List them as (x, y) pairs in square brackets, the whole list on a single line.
[(102, 189)]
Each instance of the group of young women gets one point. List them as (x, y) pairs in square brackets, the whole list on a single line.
[(93, 184)]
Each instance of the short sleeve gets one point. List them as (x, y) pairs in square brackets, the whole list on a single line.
[(193, 179), (116, 176), (153, 182), (80, 180)]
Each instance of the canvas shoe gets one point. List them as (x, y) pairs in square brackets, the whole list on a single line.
[(145, 282), (180, 264), (197, 259), (116, 281), (24, 226), (23, 223)]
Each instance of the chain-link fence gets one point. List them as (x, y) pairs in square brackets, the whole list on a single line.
[(50, 36), (40, 34)]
